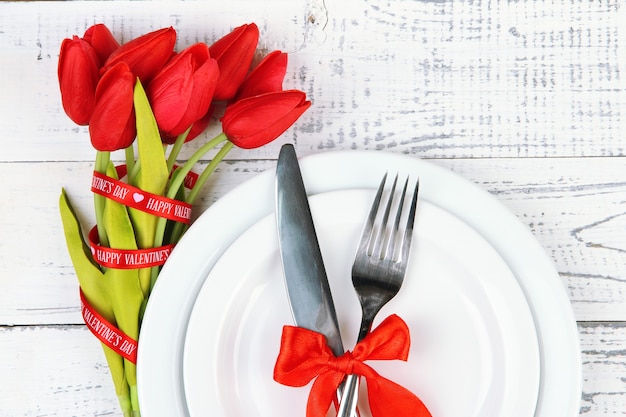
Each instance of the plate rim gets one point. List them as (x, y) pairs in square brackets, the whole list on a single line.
[(335, 170)]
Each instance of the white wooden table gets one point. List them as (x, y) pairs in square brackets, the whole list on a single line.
[(526, 99)]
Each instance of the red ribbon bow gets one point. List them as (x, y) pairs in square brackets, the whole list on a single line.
[(304, 356)]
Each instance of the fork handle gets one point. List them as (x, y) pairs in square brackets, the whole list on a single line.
[(347, 406)]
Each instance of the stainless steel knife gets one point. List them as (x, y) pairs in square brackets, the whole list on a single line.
[(305, 276)]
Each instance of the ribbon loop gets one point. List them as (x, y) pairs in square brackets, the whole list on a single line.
[(304, 356), (127, 258), (139, 199), (108, 333)]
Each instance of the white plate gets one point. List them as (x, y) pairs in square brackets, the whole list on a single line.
[(160, 355), (473, 336)]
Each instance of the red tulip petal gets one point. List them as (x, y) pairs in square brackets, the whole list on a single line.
[(204, 83), (182, 92), (234, 53), (147, 54), (113, 124), (101, 39), (258, 120), (170, 93), (78, 77), (267, 77)]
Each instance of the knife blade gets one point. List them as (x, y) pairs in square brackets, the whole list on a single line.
[(307, 285)]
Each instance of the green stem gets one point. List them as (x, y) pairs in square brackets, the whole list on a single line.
[(180, 228), (208, 171), (130, 158), (177, 182), (178, 145), (132, 174), (125, 405), (134, 400), (102, 161)]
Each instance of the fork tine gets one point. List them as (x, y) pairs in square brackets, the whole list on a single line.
[(366, 235), (380, 237), (408, 231), (396, 224)]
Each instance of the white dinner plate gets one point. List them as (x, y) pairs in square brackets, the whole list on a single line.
[(473, 336), (162, 337)]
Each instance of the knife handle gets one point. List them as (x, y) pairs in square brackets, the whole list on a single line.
[(347, 404)]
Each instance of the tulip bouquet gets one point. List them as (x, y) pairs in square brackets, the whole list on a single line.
[(146, 100)]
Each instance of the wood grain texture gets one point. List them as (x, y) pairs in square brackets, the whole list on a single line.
[(604, 361), (574, 207), (475, 79), (54, 371), (435, 79), (527, 99), (62, 372)]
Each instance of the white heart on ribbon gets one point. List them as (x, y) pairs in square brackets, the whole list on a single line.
[(138, 197), (93, 250)]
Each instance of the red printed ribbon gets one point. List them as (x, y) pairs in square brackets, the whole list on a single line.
[(127, 258), (304, 356), (190, 179), (139, 199), (107, 333)]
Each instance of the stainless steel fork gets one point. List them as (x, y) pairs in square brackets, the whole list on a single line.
[(379, 268)]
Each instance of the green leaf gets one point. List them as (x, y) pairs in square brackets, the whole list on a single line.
[(93, 285), (123, 285), (87, 270), (152, 176)]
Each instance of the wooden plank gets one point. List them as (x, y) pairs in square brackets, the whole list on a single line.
[(604, 361), (436, 79), (54, 371), (472, 79), (574, 207), (62, 371)]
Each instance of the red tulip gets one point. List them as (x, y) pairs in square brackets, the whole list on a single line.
[(234, 53), (267, 77), (102, 41), (113, 126), (182, 92), (78, 77), (145, 55), (200, 126), (256, 121), (197, 128)]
